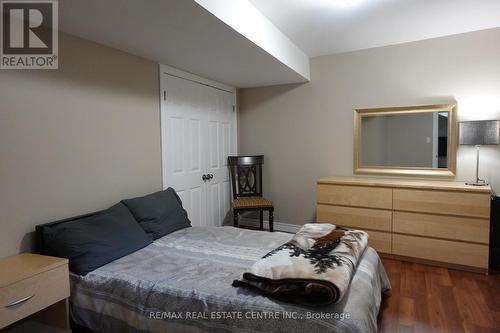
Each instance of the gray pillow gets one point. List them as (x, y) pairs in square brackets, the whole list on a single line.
[(94, 241), (159, 213)]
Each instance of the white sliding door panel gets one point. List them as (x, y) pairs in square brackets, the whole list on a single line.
[(198, 133), (220, 137), (183, 169)]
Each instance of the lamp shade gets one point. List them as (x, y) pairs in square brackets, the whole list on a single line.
[(483, 132)]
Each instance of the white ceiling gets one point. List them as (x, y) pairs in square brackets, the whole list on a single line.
[(321, 27), (234, 43), (179, 33)]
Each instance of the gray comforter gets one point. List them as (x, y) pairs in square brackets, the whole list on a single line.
[(182, 283)]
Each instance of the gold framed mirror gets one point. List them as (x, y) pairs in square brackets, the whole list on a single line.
[(406, 141)]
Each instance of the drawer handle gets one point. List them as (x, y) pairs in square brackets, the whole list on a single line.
[(19, 301)]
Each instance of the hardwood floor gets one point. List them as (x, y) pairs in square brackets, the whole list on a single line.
[(433, 299)]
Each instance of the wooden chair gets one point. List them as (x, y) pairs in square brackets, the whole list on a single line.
[(246, 180)]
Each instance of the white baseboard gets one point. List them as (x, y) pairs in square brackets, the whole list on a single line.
[(278, 226)]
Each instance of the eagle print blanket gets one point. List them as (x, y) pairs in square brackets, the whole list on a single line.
[(314, 268)]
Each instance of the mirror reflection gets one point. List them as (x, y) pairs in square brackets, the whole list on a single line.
[(415, 140)]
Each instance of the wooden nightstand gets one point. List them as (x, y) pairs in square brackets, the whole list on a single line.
[(37, 287)]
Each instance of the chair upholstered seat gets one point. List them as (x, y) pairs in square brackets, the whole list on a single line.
[(251, 202)]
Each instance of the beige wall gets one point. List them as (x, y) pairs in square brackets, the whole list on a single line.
[(306, 130), (77, 139)]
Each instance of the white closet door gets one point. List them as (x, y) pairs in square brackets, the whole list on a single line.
[(198, 133), (219, 147), (184, 131)]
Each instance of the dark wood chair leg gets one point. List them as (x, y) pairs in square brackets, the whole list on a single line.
[(261, 219), (235, 218), (271, 219)]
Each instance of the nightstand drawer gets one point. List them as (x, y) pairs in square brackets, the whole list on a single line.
[(25, 297)]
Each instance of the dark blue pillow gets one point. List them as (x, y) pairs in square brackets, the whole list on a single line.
[(159, 213), (94, 241)]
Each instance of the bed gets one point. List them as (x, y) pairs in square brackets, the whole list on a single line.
[(182, 283)]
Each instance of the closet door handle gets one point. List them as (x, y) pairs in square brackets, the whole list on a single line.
[(204, 177), (19, 301), (210, 176)]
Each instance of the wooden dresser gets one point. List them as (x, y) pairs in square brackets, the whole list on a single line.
[(440, 222)]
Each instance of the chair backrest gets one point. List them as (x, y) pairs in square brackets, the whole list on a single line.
[(246, 175)]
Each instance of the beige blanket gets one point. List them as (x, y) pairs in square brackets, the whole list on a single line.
[(314, 268)]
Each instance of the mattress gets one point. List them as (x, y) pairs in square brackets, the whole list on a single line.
[(182, 283)]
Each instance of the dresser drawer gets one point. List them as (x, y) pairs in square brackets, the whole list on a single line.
[(357, 196), (360, 218), (466, 254), (442, 226), (443, 202), (45, 289), (380, 241)]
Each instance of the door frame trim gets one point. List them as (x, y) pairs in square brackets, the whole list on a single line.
[(169, 70)]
